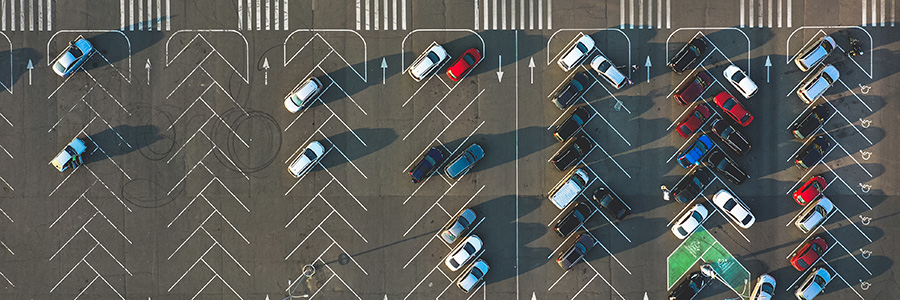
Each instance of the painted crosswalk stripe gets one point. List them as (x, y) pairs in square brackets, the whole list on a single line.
[(277, 20), (284, 24), (649, 14), (375, 18), (395, 15), (540, 14), (668, 14), (531, 14), (21, 15), (503, 14), (780, 13), (549, 14)]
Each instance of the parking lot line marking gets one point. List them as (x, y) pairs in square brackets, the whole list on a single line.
[(558, 279), (812, 39), (852, 223), (345, 189), (568, 45), (607, 155), (432, 206), (847, 250), (73, 237), (346, 158), (855, 95), (564, 113), (604, 280), (107, 221), (343, 91), (436, 267), (604, 248), (806, 108), (847, 153), (190, 138), (344, 250), (70, 205), (191, 267), (442, 112), (597, 113), (308, 235), (318, 130), (842, 279), (614, 224), (723, 213), (445, 210), (216, 241), (223, 154), (342, 217), (848, 121), (621, 14), (423, 248), (319, 193), (451, 122), (607, 90), (73, 268), (226, 219), (848, 186), (417, 91), (584, 286), (345, 125)]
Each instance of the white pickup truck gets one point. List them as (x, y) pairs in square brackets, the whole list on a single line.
[(569, 188)]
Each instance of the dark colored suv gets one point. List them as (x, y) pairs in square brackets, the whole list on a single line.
[(813, 152), (690, 53), (811, 122), (571, 152), (731, 136), (429, 161), (570, 92), (572, 124), (690, 287), (611, 204), (576, 251), (576, 213), (691, 90), (690, 187), (727, 167)]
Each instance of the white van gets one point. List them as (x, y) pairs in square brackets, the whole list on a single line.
[(70, 156), (569, 188), (577, 54), (814, 87)]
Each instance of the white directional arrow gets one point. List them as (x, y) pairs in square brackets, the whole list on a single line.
[(533, 297), (383, 68), (645, 296), (500, 68), (267, 297), (147, 66), (768, 65), (266, 67), (648, 65), (531, 66), (385, 297), (30, 67)]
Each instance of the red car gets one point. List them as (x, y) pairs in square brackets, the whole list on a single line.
[(692, 122), (733, 108), (464, 64), (810, 190), (690, 91), (809, 253)]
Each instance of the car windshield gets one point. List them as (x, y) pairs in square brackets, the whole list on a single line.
[(581, 47), (730, 204), (682, 231), (737, 77), (768, 288), (745, 118), (433, 57), (815, 248), (469, 59), (827, 77), (469, 248), (696, 216), (819, 280), (309, 154), (802, 263), (727, 131), (694, 50), (827, 46), (476, 272), (462, 221), (76, 52), (578, 216), (729, 104), (578, 86), (580, 248), (696, 181), (702, 147), (819, 149), (747, 219), (604, 66)]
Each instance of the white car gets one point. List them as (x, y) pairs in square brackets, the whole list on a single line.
[(463, 253), (307, 159), (70, 156), (740, 81), (473, 276), (814, 284), (690, 221), (577, 53), (303, 95), (765, 288), (734, 208), (428, 62), (815, 53), (815, 86), (608, 70), (814, 214)]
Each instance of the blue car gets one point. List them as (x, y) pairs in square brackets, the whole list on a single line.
[(695, 152), (426, 165), (78, 52), (465, 161)]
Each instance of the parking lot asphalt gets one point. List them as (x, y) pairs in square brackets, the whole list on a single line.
[(184, 192)]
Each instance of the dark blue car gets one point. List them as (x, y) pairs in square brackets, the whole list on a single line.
[(426, 165), (695, 152)]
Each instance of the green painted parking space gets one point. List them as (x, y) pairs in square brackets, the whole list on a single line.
[(701, 245)]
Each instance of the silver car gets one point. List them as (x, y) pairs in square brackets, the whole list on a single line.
[(577, 53), (465, 252), (459, 226), (690, 221), (428, 62), (608, 71), (815, 53), (814, 87), (814, 284), (734, 208), (814, 214), (307, 159), (473, 276), (303, 95), (765, 288)]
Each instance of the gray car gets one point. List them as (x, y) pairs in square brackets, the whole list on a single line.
[(459, 226), (465, 161)]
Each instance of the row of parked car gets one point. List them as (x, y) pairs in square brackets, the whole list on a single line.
[(460, 229)]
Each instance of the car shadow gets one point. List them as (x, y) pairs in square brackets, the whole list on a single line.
[(120, 140)]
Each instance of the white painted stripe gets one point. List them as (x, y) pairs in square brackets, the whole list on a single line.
[(3, 16), (522, 15), (882, 12), (503, 14), (284, 25), (12, 15), (49, 14), (659, 13), (386, 16), (531, 14), (159, 16), (549, 14), (140, 13), (770, 13), (668, 14), (169, 15), (131, 15), (893, 12), (742, 13), (477, 24), (649, 14), (358, 14), (485, 8), (874, 10), (621, 14), (149, 15), (258, 15), (789, 13), (540, 15), (30, 15), (631, 14), (40, 11), (395, 16), (512, 14), (403, 14), (375, 17), (368, 17), (494, 24), (268, 15), (249, 14), (21, 15), (750, 14), (760, 13), (780, 12), (277, 20), (641, 14)]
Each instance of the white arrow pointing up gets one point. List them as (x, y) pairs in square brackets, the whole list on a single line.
[(30, 67), (531, 66), (266, 67), (768, 65), (648, 65), (383, 68), (533, 297)]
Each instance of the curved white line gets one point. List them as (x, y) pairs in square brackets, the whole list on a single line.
[(364, 76), (714, 28), (871, 65), (591, 29), (403, 43), (127, 41)]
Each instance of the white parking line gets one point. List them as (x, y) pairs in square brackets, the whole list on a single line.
[(855, 95), (845, 119), (848, 186), (560, 277), (342, 154), (435, 106), (842, 279), (604, 248), (847, 250), (604, 280), (848, 154), (607, 155), (852, 223), (597, 113)]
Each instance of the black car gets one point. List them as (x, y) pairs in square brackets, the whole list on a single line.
[(570, 92), (571, 152), (429, 161), (811, 122), (690, 53), (690, 287), (690, 187), (813, 152), (611, 204), (572, 124), (576, 251), (718, 161), (731, 136), (576, 213)]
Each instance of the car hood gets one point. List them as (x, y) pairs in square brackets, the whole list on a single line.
[(64, 61)]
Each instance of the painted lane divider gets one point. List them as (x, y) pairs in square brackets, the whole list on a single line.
[(768, 65), (500, 68), (531, 66), (147, 66), (266, 68), (383, 70), (648, 65)]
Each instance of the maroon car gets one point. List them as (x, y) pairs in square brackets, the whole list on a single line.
[(691, 90), (692, 122)]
